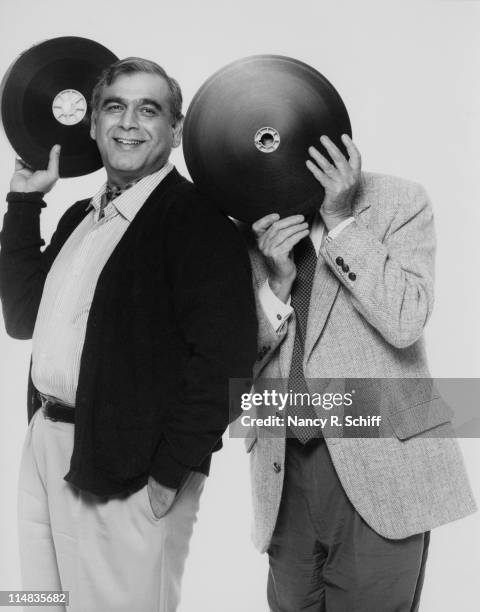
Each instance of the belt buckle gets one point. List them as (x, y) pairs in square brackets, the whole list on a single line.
[(46, 402)]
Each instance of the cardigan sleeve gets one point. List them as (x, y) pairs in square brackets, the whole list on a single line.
[(23, 264)]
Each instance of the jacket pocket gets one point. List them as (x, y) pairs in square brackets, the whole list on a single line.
[(420, 418)]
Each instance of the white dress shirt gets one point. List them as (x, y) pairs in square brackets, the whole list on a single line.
[(279, 312), (61, 322)]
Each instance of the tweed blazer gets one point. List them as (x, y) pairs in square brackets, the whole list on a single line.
[(369, 325)]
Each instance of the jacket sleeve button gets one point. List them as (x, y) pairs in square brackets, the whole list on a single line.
[(345, 268), (339, 261), (352, 276)]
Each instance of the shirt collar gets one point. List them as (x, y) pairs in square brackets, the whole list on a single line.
[(112, 192), (127, 204)]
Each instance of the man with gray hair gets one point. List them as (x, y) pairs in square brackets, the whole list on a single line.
[(140, 310)]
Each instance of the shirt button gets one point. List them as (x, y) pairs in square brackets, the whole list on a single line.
[(339, 261), (352, 276), (277, 467), (279, 317)]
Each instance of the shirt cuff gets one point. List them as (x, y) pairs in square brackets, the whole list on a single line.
[(333, 233), (276, 311)]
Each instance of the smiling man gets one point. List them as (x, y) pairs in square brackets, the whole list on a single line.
[(137, 119), (140, 310)]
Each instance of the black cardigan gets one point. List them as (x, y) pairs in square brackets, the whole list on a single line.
[(172, 319)]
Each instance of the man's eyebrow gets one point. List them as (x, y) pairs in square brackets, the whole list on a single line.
[(113, 100), (151, 102), (141, 101)]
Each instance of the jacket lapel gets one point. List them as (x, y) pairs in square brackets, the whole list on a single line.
[(324, 291), (286, 350), (326, 287)]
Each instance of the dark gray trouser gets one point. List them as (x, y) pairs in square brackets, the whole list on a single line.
[(325, 558)]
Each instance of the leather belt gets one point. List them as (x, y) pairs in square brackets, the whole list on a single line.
[(56, 411)]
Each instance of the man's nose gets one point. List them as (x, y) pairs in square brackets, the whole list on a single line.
[(128, 119)]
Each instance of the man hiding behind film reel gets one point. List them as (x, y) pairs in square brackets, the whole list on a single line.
[(346, 519), (344, 291)]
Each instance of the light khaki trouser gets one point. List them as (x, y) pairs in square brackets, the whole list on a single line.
[(111, 554)]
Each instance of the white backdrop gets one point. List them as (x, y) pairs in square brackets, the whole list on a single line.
[(409, 73)]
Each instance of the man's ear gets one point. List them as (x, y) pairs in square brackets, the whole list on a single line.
[(93, 125), (177, 133)]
